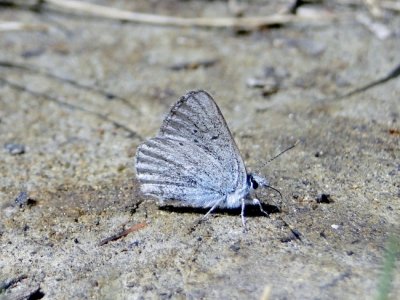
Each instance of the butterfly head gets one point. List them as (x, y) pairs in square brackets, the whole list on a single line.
[(255, 181)]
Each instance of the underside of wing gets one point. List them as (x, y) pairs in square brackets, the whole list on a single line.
[(180, 170), (196, 119)]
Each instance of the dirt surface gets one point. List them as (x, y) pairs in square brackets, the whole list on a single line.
[(78, 98)]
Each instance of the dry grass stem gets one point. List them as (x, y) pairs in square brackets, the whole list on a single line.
[(123, 15), (392, 5), (18, 26)]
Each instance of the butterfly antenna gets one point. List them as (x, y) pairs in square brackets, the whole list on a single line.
[(276, 190), (279, 154)]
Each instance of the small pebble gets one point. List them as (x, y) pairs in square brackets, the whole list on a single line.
[(235, 247), (310, 48), (193, 65), (324, 198), (14, 149), (254, 82), (319, 153), (33, 52), (22, 198), (269, 81), (269, 85)]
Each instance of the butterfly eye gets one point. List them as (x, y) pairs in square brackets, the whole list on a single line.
[(254, 183)]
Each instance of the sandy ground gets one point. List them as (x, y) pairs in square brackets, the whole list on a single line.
[(77, 99)]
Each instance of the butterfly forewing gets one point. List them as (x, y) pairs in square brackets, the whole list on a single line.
[(197, 118), (194, 157)]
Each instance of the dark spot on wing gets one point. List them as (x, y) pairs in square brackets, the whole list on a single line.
[(207, 149), (194, 130), (215, 137), (192, 182), (180, 143), (196, 141)]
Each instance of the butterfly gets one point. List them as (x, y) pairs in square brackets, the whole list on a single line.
[(194, 159)]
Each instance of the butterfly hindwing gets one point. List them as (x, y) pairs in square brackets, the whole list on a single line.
[(168, 169)]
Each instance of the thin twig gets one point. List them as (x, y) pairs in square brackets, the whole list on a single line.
[(391, 5), (374, 8), (123, 233), (266, 295), (123, 15), (193, 65), (32, 294), (132, 134), (4, 285), (77, 84), (392, 75), (380, 30), (18, 26)]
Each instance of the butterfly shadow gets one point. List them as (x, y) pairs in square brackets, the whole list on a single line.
[(250, 211)]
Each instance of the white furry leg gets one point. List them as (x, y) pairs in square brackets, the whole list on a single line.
[(212, 208), (199, 220), (242, 214), (256, 201)]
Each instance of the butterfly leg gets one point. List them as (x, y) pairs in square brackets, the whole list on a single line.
[(199, 220), (212, 208), (242, 214), (256, 201)]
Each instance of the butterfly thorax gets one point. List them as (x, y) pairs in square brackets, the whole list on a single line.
[(234, 198)]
